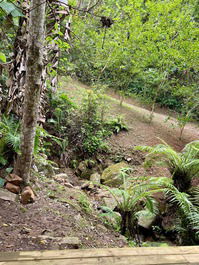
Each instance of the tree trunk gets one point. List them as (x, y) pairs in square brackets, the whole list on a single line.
[(33, 85)]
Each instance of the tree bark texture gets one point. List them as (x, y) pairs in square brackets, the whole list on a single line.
[(33, 84)]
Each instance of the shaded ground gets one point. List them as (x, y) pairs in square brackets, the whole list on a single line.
[(36, 226)]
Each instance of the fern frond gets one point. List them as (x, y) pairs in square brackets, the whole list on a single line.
[(13, 140)]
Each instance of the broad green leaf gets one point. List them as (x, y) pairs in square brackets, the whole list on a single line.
[(2, 57), (9, 8)]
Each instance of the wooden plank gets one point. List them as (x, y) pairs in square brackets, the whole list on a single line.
[(193, 258), (97, 253), (134, 260)]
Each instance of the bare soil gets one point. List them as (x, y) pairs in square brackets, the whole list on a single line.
[(22, 227)]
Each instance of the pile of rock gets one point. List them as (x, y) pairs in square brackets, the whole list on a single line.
[(14, 184)]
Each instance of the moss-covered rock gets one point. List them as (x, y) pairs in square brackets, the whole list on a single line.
[(95, 178), (84, 171), (111, 176)]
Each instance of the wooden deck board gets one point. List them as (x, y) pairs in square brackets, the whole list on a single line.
[(122, 256)]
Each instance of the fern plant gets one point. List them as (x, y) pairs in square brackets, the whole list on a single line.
[(187, 207), (132, 202), (111, 218), (187, 224), (183, 166), (9, 138)]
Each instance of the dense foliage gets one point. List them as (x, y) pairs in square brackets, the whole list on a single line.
[(150, 50), (83, 127)]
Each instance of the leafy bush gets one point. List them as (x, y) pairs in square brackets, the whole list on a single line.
[(83, 128), (116, 125)]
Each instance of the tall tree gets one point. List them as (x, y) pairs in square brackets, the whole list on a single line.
[(33, 85)]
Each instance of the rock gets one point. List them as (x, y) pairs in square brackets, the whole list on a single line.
[(25, 230), (68, 185), (128, 159), (35, 168), (107, 199), (7, 196), (27, 195), (82, 166), (146, 219), (95, 178), (60, 176), (111, 176), (83, 171), (110, 202), (12, 188), (14, 179), (85, 185), (88, 186)]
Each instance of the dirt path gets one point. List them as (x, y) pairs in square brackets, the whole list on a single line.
[(144, 132), (141, 132)]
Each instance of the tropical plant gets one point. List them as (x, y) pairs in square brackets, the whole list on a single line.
[(9, 138), (134, 201), (183, 166), (187, 222)]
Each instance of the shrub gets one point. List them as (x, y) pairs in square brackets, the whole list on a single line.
[(83, 128), (116, 125), (183, 166)]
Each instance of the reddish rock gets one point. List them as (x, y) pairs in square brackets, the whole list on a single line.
[(27, 195), (14, 179), (12, 188)]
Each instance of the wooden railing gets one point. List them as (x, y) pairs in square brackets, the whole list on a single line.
[(121, 256)]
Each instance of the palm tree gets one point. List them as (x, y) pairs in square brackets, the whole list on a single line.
[(183, 166)]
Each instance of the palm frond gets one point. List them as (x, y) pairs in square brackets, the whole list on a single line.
[(13, 140)]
